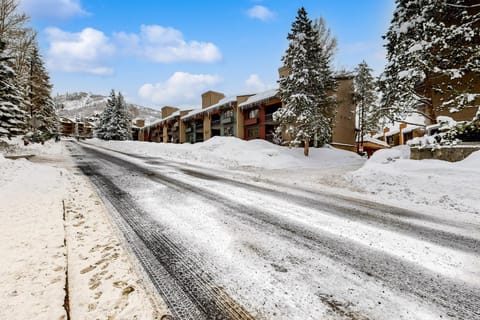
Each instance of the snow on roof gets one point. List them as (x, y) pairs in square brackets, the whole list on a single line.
[(375, 141), (433, 126), (392, 132), (259, 98), (410, 128), (64, 119), (162, 121), (192, 114), (223, 102)]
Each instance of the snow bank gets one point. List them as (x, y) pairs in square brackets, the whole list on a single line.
[(434, 183), (16, 146), (388, 155), (471, 162), (32, 272), (230, 152)]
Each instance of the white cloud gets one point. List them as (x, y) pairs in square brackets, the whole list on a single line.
[(166, 45), (56, 9), (79, 52), (255, 84), (260, 12), (181, 89)]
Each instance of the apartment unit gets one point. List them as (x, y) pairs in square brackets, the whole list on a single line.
[(67, 127), (257, 115), (399, 135), (210, 121), (71, 127), (158, 131)]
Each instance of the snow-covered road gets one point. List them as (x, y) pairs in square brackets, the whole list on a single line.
[(215, 246)]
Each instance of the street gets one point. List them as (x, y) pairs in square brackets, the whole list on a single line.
[(216, 247)]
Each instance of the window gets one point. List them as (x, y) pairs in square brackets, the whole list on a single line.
[(228, 131), (252, 132), (407, 136), (390, 140), (227, 114), (253, 114)]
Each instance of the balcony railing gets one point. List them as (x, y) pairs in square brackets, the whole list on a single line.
[(251, 121), (215, 123), (269, 117), (227, 120)]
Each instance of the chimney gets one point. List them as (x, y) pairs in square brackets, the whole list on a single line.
[(167, 110), (209, 98)]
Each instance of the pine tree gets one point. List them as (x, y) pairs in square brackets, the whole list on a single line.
[(365, 99), (308, 108), (20, 40), (105, 116), (433, 50), (42, 117), (120, 124), (11, 115), (114, 122)]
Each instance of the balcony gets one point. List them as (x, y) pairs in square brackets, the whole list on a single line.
[(251, 121), (227, 120), (216, 123), (269, 117)]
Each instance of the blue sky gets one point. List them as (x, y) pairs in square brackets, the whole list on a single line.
[(168, 52)]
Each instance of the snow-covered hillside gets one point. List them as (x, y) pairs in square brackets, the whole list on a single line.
[(83, 104)]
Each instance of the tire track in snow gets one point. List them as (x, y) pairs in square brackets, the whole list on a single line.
[(180, 276)]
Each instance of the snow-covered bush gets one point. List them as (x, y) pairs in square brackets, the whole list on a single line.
[(448, 133)]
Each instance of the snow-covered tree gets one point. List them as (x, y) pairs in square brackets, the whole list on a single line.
[(114, 123), (105, 116), (365, 100), (31, 78), (308, 108), (42, 118), (121, 123), (20, 40), (433, 53), (11, 115)]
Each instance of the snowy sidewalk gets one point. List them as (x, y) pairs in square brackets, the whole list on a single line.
[(54, 225)]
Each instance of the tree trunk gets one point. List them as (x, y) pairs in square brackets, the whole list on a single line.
[(307, 145)]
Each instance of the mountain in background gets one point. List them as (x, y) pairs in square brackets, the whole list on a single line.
[(85, 105)]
